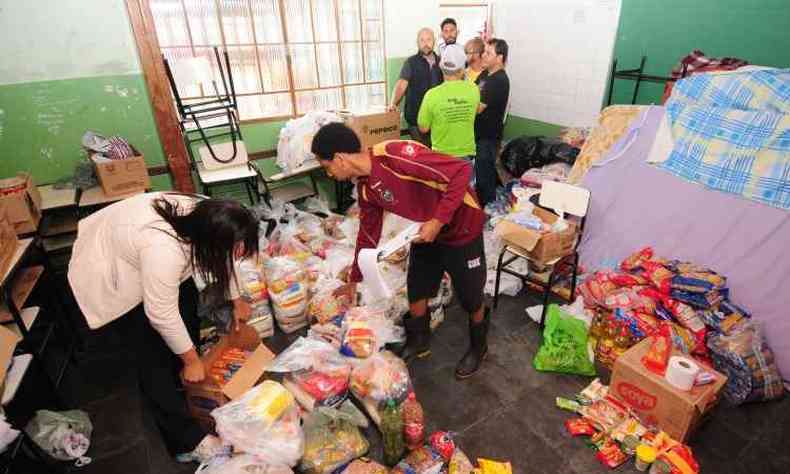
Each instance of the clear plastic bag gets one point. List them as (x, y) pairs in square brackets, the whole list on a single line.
[(317, 374), (240, 464), (294, 144), (63, 435), (263, 422), (331, 441), (324, 305), (288, 291), (381, 377), (367, 330)]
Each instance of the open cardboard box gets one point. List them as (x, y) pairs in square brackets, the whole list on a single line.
[(373, 126), (542, 247), (120, 177), (22, 208), (656, 401), (205, 396)]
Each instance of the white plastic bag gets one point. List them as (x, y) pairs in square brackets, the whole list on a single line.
[(366, 331), (288, 291), (7, 434), (296, 137), (263, 422), (65, 436), (240, 464)]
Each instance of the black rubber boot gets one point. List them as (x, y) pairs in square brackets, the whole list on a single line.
[(418, 338), (478, 348)]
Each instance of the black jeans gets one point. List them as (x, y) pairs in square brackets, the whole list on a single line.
[(159, 373), (485, 169)]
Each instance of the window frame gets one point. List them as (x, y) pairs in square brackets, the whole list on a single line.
[(287, 45)]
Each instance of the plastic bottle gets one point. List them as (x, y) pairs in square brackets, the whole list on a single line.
[(392, 432), (606, 344), (621, 342), (596, 330), (413, 422)]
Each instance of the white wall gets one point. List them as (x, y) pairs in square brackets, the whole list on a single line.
[(62, 39)]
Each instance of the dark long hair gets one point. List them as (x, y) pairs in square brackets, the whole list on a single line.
[(212, 230)]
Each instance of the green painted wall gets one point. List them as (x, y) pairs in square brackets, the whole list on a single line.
[(42, 123), (667, 30)]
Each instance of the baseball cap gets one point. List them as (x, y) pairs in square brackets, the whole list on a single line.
[(453, 58)]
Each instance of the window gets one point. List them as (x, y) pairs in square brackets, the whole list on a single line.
[(287, 56)]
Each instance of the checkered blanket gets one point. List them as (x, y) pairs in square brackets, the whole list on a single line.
[(732, 133)]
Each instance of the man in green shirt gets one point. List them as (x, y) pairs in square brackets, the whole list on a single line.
[(448, 110)]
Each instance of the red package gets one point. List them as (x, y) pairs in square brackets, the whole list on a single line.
[(657, 357), (611, 455), (647, 323), (442, 443), (628, 280), (681, 460), (322, 386), (579, 427), (635, 260), (687, 317), (659, 276)]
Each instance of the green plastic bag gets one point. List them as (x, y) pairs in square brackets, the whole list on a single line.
[(564, 347)]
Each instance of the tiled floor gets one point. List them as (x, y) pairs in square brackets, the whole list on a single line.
[(505, 412)]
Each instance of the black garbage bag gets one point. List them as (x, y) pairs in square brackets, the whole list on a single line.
[(524, 153)]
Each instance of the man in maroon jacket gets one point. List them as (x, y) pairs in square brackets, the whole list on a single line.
[(414, 182)]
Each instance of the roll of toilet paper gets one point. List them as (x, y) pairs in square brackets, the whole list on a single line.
[(681, 373)]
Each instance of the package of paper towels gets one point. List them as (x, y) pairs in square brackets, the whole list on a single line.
[(681, 373)]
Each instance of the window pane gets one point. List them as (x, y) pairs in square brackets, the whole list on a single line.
[(329, 65), (374, 62), (349, 20), (203, 22), (262, 106), (303, 66), (208, 53), (245, 69), (326, 99), (170, 23), (175, 56), (297, 20), (371, 8), (274, 68), (324, 20), (373, 30), (352, 62), (266, 14), (365, 97), (236, 22)]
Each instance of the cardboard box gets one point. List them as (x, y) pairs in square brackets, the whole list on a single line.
[(8, 242), (374, 126), (205, 396), (658, 403), (542, 247), (119, 177), (22, 207)]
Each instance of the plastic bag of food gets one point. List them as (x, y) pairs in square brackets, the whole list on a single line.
[(284, 241), (324, 305), (240, 464), (367, 330), (420, 461), (749, 363), (296, 137), (317, 374), (460, 464), (381, 377), (288, 291), (65, 435), (263, 422), (564, 347), (331, 440), (365, 466)]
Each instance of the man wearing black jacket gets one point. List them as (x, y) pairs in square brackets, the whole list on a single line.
[(419, 73)]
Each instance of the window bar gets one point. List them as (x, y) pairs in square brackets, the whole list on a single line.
[(340, 53), (255, 45), (191, 42), (289, 62), (315, 46), (362, 48)]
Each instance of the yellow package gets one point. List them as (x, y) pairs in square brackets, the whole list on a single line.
[(272, 400), (488, 466)]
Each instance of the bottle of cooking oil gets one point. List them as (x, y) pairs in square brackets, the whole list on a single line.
[(622, 342), (606, 342)]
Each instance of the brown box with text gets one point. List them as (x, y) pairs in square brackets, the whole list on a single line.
[(21, 202), (119, 177)]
